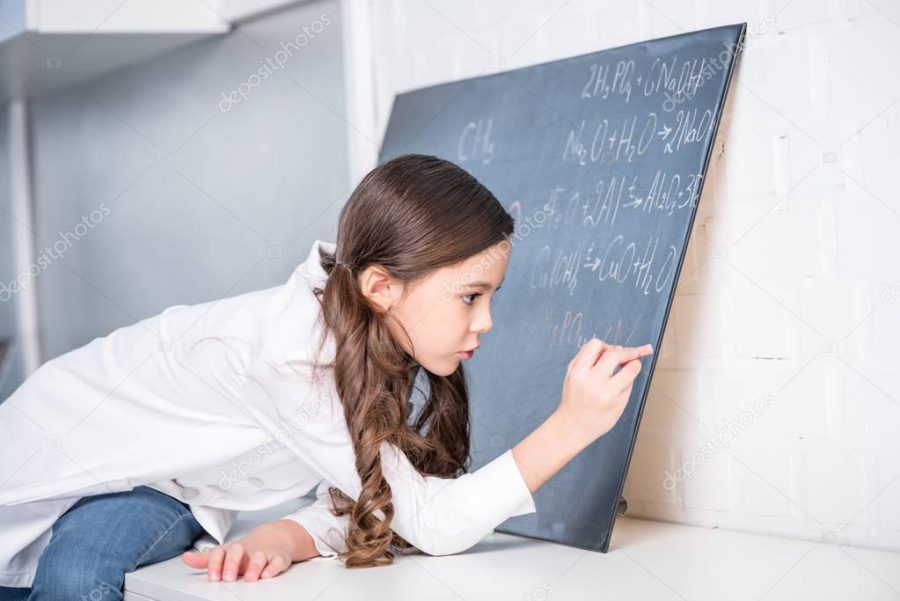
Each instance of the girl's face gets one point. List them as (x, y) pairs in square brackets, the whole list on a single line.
[(444, 313)]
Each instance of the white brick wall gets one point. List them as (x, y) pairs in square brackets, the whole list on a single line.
[(789, 294)]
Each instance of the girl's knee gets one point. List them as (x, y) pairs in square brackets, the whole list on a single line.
[(78, 585), (93, 546)]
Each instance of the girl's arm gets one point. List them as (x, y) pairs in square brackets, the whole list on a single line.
[(317, 529), (271, 548), (441, 516), (593, 401)]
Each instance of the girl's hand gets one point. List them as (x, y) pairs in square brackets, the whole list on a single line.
[(265, 552), (594, 395)]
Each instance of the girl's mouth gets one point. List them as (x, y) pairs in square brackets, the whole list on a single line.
[(466, 354)]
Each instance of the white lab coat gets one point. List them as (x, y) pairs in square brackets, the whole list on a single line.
[(214, 404)]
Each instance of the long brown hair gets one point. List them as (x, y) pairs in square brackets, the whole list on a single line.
[(410, 215)]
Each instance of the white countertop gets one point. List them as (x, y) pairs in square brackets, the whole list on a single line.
[(646, 560)]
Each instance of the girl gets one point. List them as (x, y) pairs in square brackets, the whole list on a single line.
[(146, 442)]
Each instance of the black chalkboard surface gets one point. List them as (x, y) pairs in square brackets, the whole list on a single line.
[(601, 160)]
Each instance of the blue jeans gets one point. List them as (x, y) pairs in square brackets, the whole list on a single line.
[(101, 538)]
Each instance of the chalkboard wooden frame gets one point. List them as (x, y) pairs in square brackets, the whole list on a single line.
[(578, 506)]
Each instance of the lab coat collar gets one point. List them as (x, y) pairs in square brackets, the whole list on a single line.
[(313, 274), (312, 263)]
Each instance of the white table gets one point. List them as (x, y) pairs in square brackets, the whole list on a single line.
[(646, 560)]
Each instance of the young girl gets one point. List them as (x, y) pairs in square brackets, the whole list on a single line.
[(146, 442)]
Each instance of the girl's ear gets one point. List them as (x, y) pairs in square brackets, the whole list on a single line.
[(380, 287)]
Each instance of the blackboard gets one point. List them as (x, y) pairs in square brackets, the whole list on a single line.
[(601, 159)]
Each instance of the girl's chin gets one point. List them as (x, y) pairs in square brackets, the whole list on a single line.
[(444, 369)]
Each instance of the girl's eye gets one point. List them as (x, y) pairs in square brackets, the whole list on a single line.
[(472, 296)]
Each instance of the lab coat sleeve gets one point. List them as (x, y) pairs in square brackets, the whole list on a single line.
[(204, 542), (328, 531), (442, 516), (439, 516)]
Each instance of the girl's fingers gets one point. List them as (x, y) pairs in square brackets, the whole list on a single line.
[(196, 559), (625, 376), (276, 566), (611, 358), (587, 355), (616, 356), (594, 349), (214, 569), (629, 353), (647, 349), (257, 562), (233, 559), (224, 562), (228, 562)]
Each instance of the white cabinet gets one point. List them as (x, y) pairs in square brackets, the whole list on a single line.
[(48, 45)]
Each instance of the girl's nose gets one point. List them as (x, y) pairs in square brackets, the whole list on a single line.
[(483, 324)]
